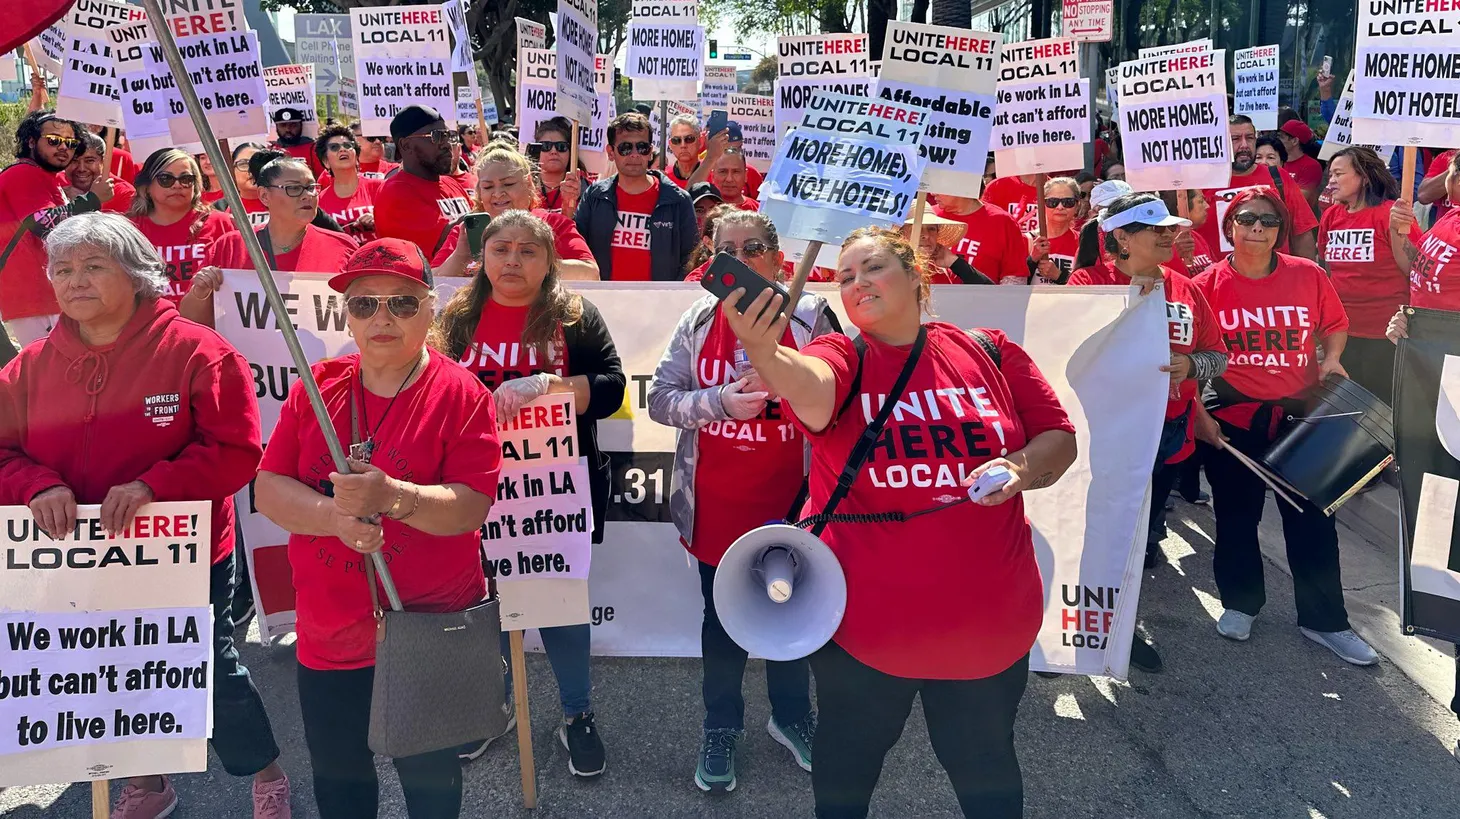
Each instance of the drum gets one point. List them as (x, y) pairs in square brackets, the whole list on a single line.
[(1344, 440)]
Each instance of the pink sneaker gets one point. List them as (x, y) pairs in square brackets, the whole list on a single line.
[(136, 803), (271, 799)]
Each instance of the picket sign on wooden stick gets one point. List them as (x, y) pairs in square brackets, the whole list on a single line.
[(663, 135), (573, 151), (1039, 180), (919, 203), (101, 798), (1406, 188), (107, 136), (1183, 208), (803, 272), (481, 120), (524, 721), (35, 71)]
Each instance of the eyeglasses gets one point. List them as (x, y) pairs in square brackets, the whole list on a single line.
[(402, 307), (167, 180), (240, 165), (1159, 230), (1269, 220), (554, 146), (295, 191), (340, 147), (440, 136), (626, 148), (683, 140), (1060, 201), (752, 249), (56, 141)]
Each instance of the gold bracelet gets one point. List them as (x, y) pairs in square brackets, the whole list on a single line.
[(417, 505), (395, 507)]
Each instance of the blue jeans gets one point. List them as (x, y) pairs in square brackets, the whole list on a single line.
[(567, 651), (788, 683), (242, 735)]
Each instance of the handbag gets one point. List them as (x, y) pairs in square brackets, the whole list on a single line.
[(438, 675)]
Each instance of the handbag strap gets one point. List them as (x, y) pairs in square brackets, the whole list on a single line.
[(869, 437)]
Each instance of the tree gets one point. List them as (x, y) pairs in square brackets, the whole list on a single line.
[(954, 13)]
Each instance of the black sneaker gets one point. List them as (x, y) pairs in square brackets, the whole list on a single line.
[(1143, 657), (241, 610), (716, 770), (585, 749), (1200, 498)]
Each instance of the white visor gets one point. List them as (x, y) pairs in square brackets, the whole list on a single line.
[(1151, 214)]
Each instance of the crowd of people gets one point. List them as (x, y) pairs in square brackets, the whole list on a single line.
[(109, 277)]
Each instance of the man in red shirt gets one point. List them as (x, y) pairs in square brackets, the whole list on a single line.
[(992, 244), (373, 164), (289, 125), (422, 201), (85, 171), (729, 176), (1246, 173), (1305, 169), (684, 145)]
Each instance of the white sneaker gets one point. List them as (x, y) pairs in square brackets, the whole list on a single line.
[(1349, 646), (1234, 625)]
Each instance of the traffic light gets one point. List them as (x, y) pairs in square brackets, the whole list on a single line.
[(714, 49)]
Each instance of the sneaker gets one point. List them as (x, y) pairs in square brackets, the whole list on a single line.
[(798, 736), (1048, 675), (1201, 498), (716, 771), (1143, 657), (585, 749), (271, 799), (1235, 625), (241, 610), (1350, 647), (471, 751), (136, 803)]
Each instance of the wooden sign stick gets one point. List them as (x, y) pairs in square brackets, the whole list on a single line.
[(919, 204), (524, 722)]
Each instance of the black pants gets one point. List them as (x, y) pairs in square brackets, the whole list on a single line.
[(242, 735), (1370, 362), (1311, 537), (862, 712), (788, 684), (1163, 480), (335, 706)]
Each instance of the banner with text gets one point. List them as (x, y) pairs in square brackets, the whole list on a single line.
[(402, 58), (88, 91), (720, 82), (1042, 117), (793, 96), (1407, 73), (1173, 119), (1255, 85)]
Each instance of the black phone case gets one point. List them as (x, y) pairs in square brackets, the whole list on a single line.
[(472, 226), (727, 272)]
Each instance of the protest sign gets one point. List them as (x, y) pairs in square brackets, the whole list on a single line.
[(228, 78), (323, 40), (106, 646), (1173, 118), (530, 34), (402, 58), (88, 90), (756, 117), (537, 100), (593, 137), (49, 49), (1340, 133), (1193, 47), (720, 82), (822, 55), (953, 72), (461, 57), (1407, 63), (1042, 115), (349, 96), (1112, 93), (575, 48), (1255, 85), (292, 86), (666, 50), (793, 96), (147, 128), (1091, 21)]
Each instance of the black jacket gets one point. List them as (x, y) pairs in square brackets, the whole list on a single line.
[(591, 353), (673, 231)]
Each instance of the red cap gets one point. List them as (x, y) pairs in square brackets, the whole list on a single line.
[(1297, 130), (385, 257)]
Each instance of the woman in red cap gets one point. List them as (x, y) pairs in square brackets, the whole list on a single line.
[(433, 427)]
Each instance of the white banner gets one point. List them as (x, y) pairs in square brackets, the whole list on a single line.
[(106, 646), (228, 77), (1173, 118), (666, 49), (49, 49), (1407, 62), (402, 58), (537, 100), (822, 55), (1042, 118), (530, 34), (793, 96), (1193, 47), (1255, 85)]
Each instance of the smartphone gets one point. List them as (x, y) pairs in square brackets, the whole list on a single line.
[(1327, 66), (534, 151), (473, 224), (727, 272), (717, 122)]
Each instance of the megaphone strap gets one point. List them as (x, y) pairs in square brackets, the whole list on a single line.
[(873, 517)]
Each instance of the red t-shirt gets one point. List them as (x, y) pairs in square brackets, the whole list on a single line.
[(212, 196), (1201, 258), (1016, 198), (552, 198), (753, 178), (993, 244), (124, 167), (186, 246), (1259, 176), (258, 212), (958, 605), (1062, 251), (683, 181), (630, 245), (1271, 327), (566, 238), (322, 251), (1439, 166), (418, 210), (497, 353), (746, 203), (1360, 261), (377, 169), (347, 210), (1434, 281), (304, 152), (468, 182), (26, 188), (442, 429), (749, 472), (1306, 171), (123, 192)]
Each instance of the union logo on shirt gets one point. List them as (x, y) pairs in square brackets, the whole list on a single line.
[(1182, 322), (1355, 245), (632, 231), (162, 408), (453, 207), (1434, 254), (968, 248)]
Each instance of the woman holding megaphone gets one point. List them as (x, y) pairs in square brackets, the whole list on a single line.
[(946, 605)]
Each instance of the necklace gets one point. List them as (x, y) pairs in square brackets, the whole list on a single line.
[(364, 450), (293, 244)]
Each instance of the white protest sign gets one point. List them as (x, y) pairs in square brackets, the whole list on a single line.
[(668, 111), (323, 40), (402, 58), (822, 55), (593, 137), (88, 90), (720, 82), (228, 78), (576, 47), (292, 86), (1407, 64), (1192, 47), (666, 50), (147, 129), (106, 646), (793, 96), (349, 91), (461, 58), (466, 104), (1042, 117), (1090, 21), (1173, 118), (1340, 134), (756, 116), (1255, 85), (530, 34), (49, 49), (953, 73), (537, 100)]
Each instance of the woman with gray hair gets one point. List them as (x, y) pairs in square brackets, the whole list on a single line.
[(738, 463), (174, 405)]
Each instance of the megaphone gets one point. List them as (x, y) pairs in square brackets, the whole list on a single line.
[(780, 592)]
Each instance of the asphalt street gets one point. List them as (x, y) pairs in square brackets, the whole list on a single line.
[(1276, 727)]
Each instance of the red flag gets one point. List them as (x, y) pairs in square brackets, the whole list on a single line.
[(26, 20)]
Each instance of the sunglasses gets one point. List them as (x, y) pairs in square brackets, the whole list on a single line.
[(295, 191), (440, 136), (56, 141), (340, 147), (626, 148), (683, 140), (376, 140), (554, 147), (1269, 220), (1060, 201), (402, 307), (753, 249), (167, 180)]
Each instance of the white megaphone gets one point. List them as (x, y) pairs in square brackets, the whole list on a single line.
[(780, 592)]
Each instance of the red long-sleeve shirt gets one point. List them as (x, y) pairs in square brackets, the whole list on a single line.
[(26, 189)]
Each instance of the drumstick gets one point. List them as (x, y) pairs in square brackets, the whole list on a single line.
[(1262, 473)]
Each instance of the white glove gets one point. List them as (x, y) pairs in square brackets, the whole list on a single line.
[(511, 395), (741, 405)]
